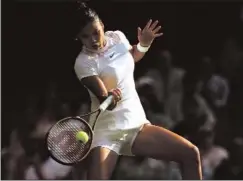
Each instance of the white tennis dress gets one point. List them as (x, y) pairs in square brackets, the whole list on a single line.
[(114, 64)]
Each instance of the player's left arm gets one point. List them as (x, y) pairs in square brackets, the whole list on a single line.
[(145, 38)]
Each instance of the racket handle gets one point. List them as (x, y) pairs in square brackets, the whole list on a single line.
[(106, 103)]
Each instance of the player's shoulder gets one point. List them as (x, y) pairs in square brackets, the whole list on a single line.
[(116, 35), (83, 59)]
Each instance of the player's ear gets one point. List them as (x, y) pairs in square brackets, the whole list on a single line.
[(102, 24)]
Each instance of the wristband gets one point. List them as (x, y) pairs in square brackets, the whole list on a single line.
[(142, 49)]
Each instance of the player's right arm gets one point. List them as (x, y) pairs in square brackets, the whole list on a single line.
[(96, 86), (86, 71)]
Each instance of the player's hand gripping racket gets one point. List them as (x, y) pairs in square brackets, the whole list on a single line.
[(63, 141)]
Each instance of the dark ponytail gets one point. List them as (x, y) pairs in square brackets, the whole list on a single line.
[(85, 14)]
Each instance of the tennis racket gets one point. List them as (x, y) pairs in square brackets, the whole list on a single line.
[(61, 140)]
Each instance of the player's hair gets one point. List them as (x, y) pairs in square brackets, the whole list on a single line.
[(86, 14)]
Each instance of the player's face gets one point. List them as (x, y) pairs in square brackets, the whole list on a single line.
[(92, 35)]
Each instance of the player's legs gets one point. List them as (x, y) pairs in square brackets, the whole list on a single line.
[(159, 143), (102, 162)]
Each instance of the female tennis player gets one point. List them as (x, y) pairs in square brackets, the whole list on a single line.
[(106, 65)]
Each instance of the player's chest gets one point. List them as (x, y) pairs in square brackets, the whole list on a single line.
[(116, 62)]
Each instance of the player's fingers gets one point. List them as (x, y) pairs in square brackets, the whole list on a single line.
[(154, 24), (148, 24), (118, 91), (157, 29), (139, 31), (117, 94), (158, 35), (116, 97)]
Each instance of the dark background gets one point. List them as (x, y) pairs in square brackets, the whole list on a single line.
[(38, 45), (38, 40)]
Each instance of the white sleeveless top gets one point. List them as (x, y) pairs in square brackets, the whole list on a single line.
[(114, 65)]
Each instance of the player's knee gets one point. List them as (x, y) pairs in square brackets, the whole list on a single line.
[(191, 154)]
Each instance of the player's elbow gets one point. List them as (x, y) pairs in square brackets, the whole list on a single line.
[(96, 86)]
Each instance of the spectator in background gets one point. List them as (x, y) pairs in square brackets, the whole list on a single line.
[(196, 112), (13, 158), (151, 105), (195, 107), (172, 85), (41, 114), (232, 54), (41, 166), (166, 81), (232, 168), (212, 155), (151, 84), (48, 169), (216, 86), (135, 168)]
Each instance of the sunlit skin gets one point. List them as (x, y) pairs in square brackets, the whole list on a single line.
[(92, 35)]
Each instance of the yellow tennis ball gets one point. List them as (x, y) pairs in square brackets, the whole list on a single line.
[(82, 136)]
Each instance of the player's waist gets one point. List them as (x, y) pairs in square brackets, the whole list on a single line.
[(126, 100), (127, 94)]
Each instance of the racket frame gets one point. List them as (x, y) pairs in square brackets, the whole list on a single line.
[(90, 137), (101, 109)]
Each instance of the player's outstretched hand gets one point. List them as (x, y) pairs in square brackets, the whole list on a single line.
[(149, 33)]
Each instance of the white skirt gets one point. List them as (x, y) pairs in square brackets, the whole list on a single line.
[(117, 129), (119, 141)]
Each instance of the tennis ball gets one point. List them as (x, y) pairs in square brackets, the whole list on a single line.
[(82, 136)]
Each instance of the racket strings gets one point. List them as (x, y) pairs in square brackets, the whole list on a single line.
[(62, 141)]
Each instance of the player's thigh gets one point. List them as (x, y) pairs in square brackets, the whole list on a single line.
[(102, 162), (160, 143)]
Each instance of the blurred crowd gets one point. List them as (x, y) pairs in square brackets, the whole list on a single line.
[(203, 104)]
